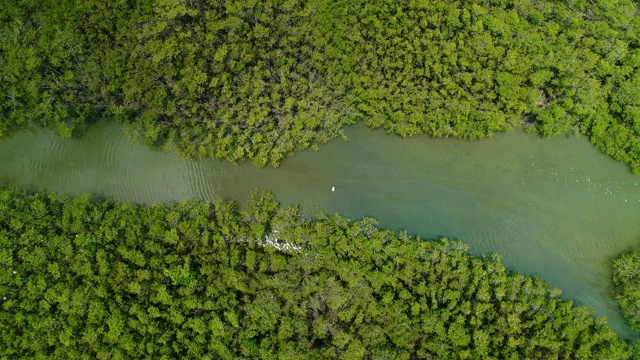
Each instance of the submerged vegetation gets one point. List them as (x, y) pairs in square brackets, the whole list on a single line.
[(87, 279), (262, 79)]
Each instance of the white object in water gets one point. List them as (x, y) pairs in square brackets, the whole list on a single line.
[(333, 188)]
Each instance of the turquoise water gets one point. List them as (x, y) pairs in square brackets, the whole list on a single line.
[(555, 208)]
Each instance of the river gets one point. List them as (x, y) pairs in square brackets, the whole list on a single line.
[(556, 208)]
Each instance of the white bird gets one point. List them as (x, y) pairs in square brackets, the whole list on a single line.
[(333, 188)]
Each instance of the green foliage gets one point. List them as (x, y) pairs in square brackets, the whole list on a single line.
[(83, 279), (59, 61), (470, 68), (262, 79), (626, 277)]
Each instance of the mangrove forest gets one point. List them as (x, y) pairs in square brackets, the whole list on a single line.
[(90, 278), (262, 79)]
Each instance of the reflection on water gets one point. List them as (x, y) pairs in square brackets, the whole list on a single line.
[(555, 208)]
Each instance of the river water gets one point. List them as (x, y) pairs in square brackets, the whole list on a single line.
[(556, 208)]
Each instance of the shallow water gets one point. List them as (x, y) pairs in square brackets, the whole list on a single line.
[(555, 208)]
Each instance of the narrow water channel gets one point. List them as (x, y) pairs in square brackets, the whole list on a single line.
[(555, 208)]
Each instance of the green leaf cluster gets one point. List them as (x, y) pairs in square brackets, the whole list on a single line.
[(97, 279)]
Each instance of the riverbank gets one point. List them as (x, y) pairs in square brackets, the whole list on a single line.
[(556, 208)]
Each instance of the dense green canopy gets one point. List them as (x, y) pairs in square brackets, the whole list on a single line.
[(262, 79), (85, 279), (626, 277)]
